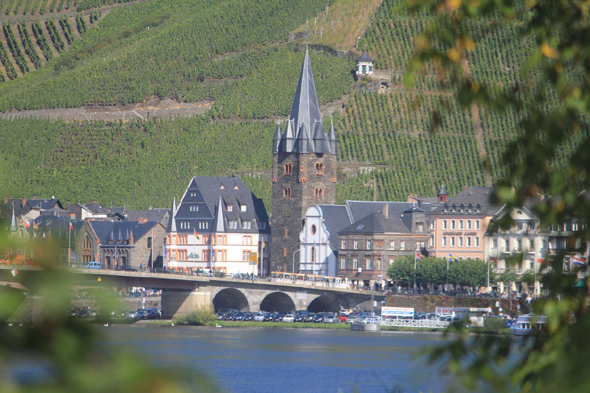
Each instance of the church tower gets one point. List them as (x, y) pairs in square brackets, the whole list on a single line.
[(303, 170)]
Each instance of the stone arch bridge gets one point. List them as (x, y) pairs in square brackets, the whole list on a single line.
[(183, 294)]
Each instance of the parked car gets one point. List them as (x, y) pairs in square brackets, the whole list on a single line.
[(83, 312), (319, 317), (153, 314), (141, 314), (125, 268), (331, 318), (249, 316), (268, 317), (289, 318), (132, 314), (73, 312), (353, 319), (300, 318), (342, 317), (93, 265), (310, 317), (259, 317), (239, 316)]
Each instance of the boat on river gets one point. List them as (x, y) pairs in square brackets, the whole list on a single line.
[(527, 324)]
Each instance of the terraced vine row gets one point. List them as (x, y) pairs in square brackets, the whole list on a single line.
[(42, 7), (59, 34)]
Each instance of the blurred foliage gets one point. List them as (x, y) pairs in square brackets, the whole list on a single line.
[(550, 103), (60, 354)]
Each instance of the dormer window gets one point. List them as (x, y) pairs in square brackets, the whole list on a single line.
[(222, 187), (236, 187), (243, 208), (230, 208), (194, 208)]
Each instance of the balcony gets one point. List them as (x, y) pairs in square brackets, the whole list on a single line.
[(530, 250)]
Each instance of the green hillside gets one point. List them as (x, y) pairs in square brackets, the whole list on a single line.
[(234, 52)]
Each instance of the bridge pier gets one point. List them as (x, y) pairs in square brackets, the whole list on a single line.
[(176, 303)]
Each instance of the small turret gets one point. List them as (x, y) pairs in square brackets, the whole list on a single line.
[(442, 193), (332, 142), (320, 139), (302, 144), (287, 139), (173, 217), (276, 140)]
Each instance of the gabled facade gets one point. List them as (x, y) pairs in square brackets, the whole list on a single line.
[(218, 224), (371, 244), (303, 170), (131, 244), (458, 225)]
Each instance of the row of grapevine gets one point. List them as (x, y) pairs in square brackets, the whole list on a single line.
[(40, 44), (14, 48), (42, 40), (8, 66), (42, 7), (28, 45)]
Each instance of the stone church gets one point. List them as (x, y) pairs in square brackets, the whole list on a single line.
[(303, 170)]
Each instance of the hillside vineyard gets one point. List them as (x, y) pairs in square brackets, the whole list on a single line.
[(237, 55)]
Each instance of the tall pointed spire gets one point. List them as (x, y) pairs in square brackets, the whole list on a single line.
[(220, 224), (13, 220), (173, 217), (277, 139), (305, 108)]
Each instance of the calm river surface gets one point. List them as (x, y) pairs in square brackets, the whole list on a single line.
[(261, 360)]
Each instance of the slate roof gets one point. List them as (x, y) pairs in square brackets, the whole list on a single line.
[(305, 132), (118, 232), (201, 201), (57, 227), (377, 223), (156, 215), (335, 218), (361, 209), (475, 199), (365, 57), (19, 209)]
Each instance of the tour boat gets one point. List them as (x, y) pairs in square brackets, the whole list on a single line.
[(525, 324)]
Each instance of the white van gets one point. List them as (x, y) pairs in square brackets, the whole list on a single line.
[(93, 265)]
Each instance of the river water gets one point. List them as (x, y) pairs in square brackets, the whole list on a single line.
[(244, 360)]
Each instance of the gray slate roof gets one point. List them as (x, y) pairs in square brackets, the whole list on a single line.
[(151, 215), (474, 198), (57, 226), (365, 57), (19, 209), (335, 218), (377, 223), (361, 209), (104, 230), (203, 195)]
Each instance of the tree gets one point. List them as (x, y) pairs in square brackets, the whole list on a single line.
[(550, 106)]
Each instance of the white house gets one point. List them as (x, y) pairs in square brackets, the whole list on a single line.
[(364, 65), (218, 225)]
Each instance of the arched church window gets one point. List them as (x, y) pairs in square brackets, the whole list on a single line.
[(319, 168), (319, 193), (288, 168), (287, 192)]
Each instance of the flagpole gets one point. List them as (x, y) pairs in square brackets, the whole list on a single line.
[(69, 245), (414, 271)]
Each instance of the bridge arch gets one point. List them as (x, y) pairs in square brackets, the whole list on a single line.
[(277, 301), (323, 303), (230, 298)]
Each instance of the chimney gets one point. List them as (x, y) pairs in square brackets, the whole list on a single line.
[(24, 202), (142, 220), (464, 188), (386, 210)]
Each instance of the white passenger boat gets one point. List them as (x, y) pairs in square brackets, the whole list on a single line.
[(526, 324)]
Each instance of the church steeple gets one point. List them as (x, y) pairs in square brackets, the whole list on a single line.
[(305, 108)]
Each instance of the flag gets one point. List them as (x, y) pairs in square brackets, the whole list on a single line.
[(35, 225), (14, 272), (153, 237), (116, 257), (540, 260), (419, 255), (452, 258), (579, 261), (197, 235), (71, 226), (27, 223), (494, 260)]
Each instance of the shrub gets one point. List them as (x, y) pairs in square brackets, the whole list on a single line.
[(202, 316)]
